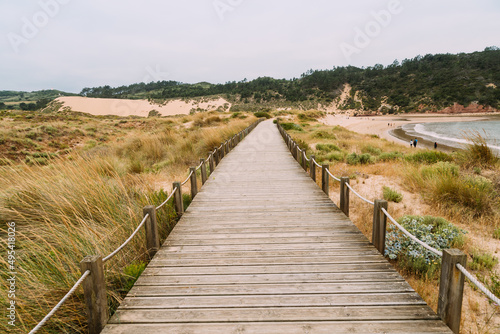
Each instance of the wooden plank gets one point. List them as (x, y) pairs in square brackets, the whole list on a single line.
[(293, 300), (268, 278), (204, 269), (270, 289), (300, 327), (312, 313)]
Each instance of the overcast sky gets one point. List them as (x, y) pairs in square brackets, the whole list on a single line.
[(72, 44)]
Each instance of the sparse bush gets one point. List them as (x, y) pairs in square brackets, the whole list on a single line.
[(477, 153), (335, 156), (440, 169), (262, 114), (392, 195), (390, 156), (291, 126), (321, 134), (362, 159), (428, 157), (372, 150), (482, 261), (327, 147)]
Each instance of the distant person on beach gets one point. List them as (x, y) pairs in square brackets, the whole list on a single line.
[(411, 143), (435, 145), (415, 142)]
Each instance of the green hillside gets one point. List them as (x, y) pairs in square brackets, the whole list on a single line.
[(430, 82), (28, 100)]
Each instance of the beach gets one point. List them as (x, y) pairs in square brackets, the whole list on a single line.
[(390, 127)]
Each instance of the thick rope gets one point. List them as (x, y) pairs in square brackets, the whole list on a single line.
[(186, 181), (169, 197), (333, 176), (411, 236), (61, 302), (126, 241), (317, 164), (199, 166), (479, 285), (357, 194)]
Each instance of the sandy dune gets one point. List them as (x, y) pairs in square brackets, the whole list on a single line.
[(122, 107)]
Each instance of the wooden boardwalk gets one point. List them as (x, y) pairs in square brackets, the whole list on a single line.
[(261, 249)]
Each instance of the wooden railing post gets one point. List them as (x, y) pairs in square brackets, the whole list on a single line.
[(344, 195), (221, 152), (151, 226), (216, 156), (312, 168), (451, 288), (211, 163), (325, 179), (203, 171), (379, 225), (304, 160), (94, 291), (194, 183), (178, 203)]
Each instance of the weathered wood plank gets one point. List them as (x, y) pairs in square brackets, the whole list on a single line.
[(271, 289), (312, 313), (375, 299), (300, 327)]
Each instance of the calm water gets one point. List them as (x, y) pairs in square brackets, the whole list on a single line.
[(453, 133)]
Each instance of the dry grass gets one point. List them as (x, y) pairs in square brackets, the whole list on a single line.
[(88, 201)]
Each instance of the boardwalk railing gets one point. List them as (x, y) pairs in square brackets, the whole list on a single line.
[(453, 261), (92, 267)]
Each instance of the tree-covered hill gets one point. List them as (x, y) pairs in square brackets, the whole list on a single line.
[(28, 100), (430, 82)]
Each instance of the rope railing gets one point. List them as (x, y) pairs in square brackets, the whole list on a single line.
[(201, 164), (333, 176), (357, 194), (448, 309), (168, 199), (478, 284), (61, 302), (176, 193), (186, 181), (104, 260)]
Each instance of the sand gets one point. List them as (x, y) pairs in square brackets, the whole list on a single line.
[(379, 125), (123, 107)]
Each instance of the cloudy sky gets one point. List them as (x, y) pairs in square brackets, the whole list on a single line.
[(72, 44)]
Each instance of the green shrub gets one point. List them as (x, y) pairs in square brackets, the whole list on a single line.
[(429, 157), (132, 273), (392, 195), (390, 156), (362, 159), (473, 192), (496, 233), (477, 153), (291, 126), (335, 156), (323, 135), (327, 147), (263, 114), (434, 231), (439, 169), (186, 200), (482, 261), (372, 150)]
